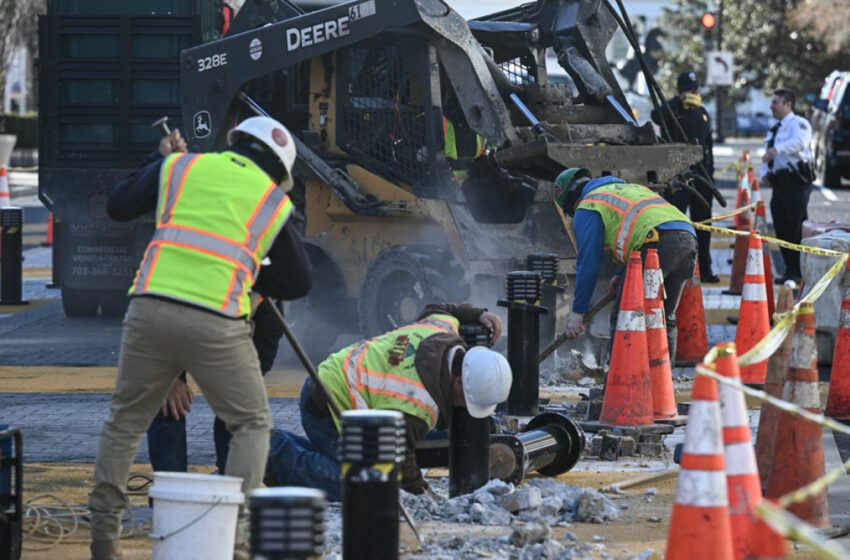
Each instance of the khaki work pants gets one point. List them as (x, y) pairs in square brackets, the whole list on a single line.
[(160, 339)]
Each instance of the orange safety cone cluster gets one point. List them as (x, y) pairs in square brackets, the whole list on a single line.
[(777, 367), (700, 527), (838, 399), (660, 373), (628, 392), (750, 537), (760, 225), (739, 258), (692, 337), (753, 321), (5, 199), (798, 449)]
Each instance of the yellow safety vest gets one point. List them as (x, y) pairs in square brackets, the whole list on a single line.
[(217, 215)]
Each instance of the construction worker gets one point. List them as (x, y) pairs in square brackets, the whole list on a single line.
[(459, 145), (622, 217), (422, 369), (217, 216)]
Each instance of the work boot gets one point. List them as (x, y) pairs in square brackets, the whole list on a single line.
[(106, 550)]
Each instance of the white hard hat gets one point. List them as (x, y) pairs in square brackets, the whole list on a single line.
[(273, 135), (486, 377)]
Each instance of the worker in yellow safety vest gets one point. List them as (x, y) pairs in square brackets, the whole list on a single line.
[(621, 218), (422, 370), (460, 158), (218, 215)]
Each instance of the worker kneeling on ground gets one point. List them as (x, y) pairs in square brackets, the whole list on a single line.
[(622, 217), (422, 370)]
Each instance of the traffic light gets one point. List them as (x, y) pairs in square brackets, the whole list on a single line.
[(707, 22)]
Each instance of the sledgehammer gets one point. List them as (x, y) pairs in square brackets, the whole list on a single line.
[(562, 338)]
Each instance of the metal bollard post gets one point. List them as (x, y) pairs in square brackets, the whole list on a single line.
[(287, 523), (371, 450), (11, 282), (524, 310), (469, 452), (547, 265)]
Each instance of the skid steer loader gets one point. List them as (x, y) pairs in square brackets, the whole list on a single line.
[(427, 144)]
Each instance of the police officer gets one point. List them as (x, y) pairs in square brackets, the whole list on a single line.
[(696, 124), (621, 217), (787, 168)]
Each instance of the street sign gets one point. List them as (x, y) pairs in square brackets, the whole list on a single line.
[(719, 69)]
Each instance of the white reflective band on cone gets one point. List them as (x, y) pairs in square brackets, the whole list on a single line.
[(702, 435), (802, 352), (653, 280), (630, 321), (844, 319), (802, 393), (753, 292), (733, 415), (655, 318), (701, 488), (740, 459), (755, 264)]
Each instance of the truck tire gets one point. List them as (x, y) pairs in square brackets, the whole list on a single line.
[(828, 175), (114, 303), (79, 303), (402, 280)]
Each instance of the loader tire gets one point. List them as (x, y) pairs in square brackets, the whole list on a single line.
[(114, 303), (402, 280), (79, 302)]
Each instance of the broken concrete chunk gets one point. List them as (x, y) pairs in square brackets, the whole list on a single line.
[(593, 507), (531, 532), (526, 497)]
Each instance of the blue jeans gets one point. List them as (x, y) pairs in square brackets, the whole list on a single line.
[(312, 461)]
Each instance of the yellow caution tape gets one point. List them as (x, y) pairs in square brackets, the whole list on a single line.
[(791, 526), (785, 406), (772, 240), (22, 168), (814, 488), (765, 348), (740, 210), (727, 168)]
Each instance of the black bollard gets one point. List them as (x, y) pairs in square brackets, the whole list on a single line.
[(371, 450), (469, 452), (524, 310), (11, 261), (547, 265), (287, 523)]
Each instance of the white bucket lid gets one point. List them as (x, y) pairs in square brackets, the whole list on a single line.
[(196, 487)]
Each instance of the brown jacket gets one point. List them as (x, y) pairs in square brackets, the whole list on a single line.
[(432, 368)]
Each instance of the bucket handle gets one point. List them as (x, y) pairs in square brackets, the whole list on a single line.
[(186, 526)]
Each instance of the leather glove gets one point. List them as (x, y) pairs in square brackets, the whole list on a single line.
[(575, 326)]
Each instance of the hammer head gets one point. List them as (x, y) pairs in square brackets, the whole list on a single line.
[(162, 124)]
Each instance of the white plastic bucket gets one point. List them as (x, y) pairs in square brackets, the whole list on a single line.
[(194, 515)]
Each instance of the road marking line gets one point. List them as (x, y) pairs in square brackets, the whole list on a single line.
[(827, 193)]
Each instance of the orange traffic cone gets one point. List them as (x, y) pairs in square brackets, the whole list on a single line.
[(48, 241), (692, 338), (760, 224), (699, 526), (753, 322), (739, 259), (663, 399), (736, 221), (838, 400), (777, 367), (755, 192), (628, 393), (766, 544), (798, 457), (5, 199), (742, 477)]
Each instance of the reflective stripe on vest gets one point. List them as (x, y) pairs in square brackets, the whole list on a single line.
[(408, 389), (230, 274), (629, 210)]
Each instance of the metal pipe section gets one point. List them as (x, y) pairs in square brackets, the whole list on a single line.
[(11, 261), (287, 523), (469, 452), (524, 310), (371, 450)]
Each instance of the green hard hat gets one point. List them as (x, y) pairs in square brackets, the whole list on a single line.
[(566, 183)]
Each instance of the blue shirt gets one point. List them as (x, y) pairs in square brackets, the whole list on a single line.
[(590, 235)]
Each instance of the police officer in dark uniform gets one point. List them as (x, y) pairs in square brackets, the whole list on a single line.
[(787, 169), (696, 124)]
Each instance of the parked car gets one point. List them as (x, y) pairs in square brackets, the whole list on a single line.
[(830, 119)]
